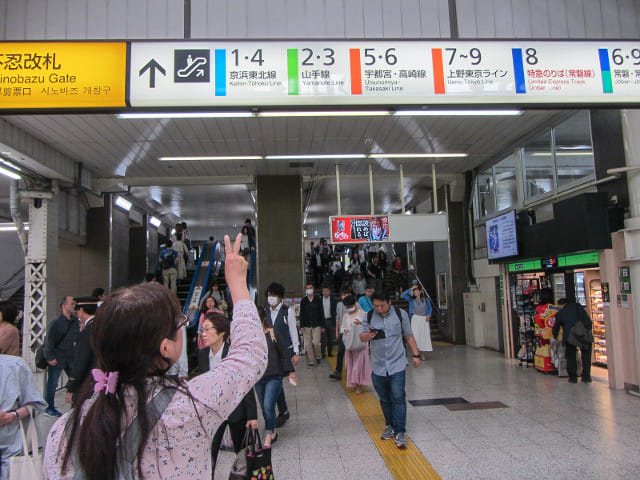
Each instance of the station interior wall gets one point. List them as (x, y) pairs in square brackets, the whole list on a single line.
[(619, 322)]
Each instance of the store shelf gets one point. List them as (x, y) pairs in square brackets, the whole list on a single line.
[(599, 329)]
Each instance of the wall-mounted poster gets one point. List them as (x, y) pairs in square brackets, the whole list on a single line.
[(442, 290)]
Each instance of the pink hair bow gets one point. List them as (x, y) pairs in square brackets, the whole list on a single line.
[(105, 381)]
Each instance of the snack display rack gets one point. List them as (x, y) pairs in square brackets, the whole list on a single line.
[(599, 330), (527, 293)]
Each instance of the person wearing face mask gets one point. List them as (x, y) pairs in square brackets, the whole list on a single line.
[(357, 354), (312, 324), (283, 320)]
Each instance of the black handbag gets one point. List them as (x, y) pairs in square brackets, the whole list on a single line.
[(253, 461), (41, 362)]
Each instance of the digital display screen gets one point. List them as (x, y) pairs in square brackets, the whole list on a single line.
[(359, 229), (502, 238)]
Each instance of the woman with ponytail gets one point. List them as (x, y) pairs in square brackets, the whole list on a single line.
[(135, 422)]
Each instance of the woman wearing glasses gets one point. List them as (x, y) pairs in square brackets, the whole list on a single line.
[(136, 422), (215, 336), (420, 312)]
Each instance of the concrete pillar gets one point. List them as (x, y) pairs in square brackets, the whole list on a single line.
[(631, 132), (280, 257), (138, 247)]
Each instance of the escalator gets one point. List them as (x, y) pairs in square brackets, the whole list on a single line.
[(207, 271)]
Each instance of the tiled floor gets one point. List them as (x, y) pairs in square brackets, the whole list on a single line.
[(552, 429)]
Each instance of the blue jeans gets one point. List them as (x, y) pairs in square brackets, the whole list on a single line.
[(282, 402), (268, 390), (390, 390), (53, 375)]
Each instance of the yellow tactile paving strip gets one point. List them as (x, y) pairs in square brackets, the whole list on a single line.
[(407, 464)]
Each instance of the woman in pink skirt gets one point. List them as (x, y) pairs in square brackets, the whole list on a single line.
[(357, 352)]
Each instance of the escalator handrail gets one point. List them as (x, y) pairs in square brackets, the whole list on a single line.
[(204, 286), (195, 278), (252, 259)]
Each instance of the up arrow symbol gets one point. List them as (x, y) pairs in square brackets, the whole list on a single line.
[(152, 66)]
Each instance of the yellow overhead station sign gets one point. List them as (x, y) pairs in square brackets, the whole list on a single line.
[(63, 75)]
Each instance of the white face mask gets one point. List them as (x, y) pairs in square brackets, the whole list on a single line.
[(273, 301), (351, 310), (309, 291)]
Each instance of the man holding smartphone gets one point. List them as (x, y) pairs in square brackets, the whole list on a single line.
[(385, 328)]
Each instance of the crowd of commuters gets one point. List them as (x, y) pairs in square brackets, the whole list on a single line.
[(119, 353)]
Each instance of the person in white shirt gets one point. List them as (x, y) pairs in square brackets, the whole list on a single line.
[(283, 320)]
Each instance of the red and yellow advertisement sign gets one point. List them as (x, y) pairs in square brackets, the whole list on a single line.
[(359, 229), (63, 75)]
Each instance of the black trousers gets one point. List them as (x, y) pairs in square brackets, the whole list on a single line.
[(340, 357), (330, 332), (237, 430), (572, 361)]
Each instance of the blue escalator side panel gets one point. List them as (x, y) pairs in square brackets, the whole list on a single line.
[(193, 281), (252, 259), (204, 281)]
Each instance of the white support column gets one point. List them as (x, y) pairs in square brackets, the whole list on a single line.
[(40, 272), (35, 286), (631, 132)]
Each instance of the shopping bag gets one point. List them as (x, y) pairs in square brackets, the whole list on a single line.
[(29, 465), (239, 467), (259, 464)]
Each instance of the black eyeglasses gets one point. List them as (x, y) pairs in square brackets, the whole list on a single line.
[(182, 321)]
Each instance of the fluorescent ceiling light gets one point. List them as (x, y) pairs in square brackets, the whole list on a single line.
[(9, 173), (223, 157), (548, 154), (314, 157), (186, 115), (418, 155), (155, 221), (11, 227), (124, 204), (11, 165), (321, 113), (459, 113)]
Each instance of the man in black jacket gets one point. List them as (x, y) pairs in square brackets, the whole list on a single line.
[(329, 306), (84, 359), (567, 318), (312, 324), (59, 346)]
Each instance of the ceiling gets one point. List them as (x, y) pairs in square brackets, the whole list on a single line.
[(124, 154)]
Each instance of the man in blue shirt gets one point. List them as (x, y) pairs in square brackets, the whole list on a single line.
[(385, 332), (365, 301), (169, 259)]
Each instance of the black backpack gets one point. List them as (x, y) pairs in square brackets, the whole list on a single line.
[(167, 261)]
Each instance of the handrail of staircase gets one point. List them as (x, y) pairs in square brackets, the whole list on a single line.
[(434, 306)]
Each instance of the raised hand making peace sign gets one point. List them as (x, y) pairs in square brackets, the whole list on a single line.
[(235, 269)]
